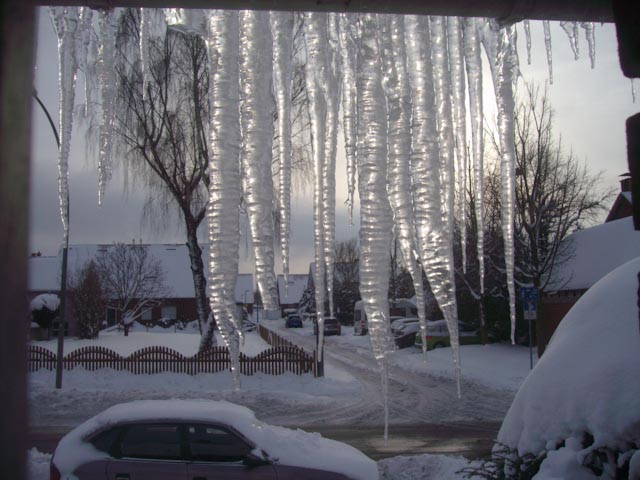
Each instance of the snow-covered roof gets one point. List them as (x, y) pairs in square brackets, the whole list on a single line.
[(282, 445), (43, 275), (296, 286), (596, 252)]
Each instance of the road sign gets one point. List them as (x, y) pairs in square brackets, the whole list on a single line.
[(529, 296)]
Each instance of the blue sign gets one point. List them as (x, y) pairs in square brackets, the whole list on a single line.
[(529, 294)]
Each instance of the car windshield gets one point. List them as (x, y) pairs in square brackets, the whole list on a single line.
[(330, 321)]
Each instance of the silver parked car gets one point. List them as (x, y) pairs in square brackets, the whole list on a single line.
[(197, 440)]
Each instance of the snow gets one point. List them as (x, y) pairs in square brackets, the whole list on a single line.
[(45, 300), (587, 380), (296, 286), (185, 343), (281, 445), (597, 251), (44, 273)]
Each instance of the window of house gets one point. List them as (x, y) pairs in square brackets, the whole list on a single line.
[(169, 312), (146, 314), (111, 317)]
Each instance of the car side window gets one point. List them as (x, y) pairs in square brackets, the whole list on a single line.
[(209, 443), (104, 440), (154, 441)]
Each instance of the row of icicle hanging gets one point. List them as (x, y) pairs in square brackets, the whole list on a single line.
[(401, 86)]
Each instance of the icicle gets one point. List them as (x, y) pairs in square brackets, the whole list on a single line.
[(349, 113), (225, 193), (591, 41), (107, 79), (441, 78), (504, 97), (376, 222), (316, 76), (527, 34), (547, 43), (153, 26), (256, 120), (570, 29), (332, 96), (514, 58), (65, 21), (456, 66), (633, 90), (398, 93), (187, 20), (473, 63), (434, 245), (282, 32), (83, 45)]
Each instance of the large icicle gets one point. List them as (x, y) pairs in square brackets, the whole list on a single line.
[(547, 43), (256, 120), (225, 191), (571, 29), (376, 222), (506, 105), (425, 167), (85, 55), (473, 64), (332, 96), (65, 21), (442, 84), (527, 34), (349, 113), (591, 41), (108, 21), (282, 32), (398, 92), (316, 76), (456, 66)]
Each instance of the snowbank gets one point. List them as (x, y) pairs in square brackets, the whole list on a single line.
[(282, 445), (586, 383)]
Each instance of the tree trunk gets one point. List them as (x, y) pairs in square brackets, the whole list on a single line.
[(203, 309)]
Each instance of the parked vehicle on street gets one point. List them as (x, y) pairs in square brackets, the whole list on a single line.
[(331, 327), (438, 335), (293, 321), (401, 322), (198, 439), (405, 336), (399, 308)]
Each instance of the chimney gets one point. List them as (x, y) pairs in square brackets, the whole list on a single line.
[(625, 183)]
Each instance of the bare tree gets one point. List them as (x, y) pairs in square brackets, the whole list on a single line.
[(555, 193), (347, 278), (87, 299), (133, 280)]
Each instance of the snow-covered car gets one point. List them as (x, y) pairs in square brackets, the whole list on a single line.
[(198, 439), (293, 321), (399, 323), (405, 334)]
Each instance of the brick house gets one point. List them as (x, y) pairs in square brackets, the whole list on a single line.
[(596, 252), (289, 298), (178, 304)]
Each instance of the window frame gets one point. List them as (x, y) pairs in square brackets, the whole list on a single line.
[(116, 448), (225, 428)]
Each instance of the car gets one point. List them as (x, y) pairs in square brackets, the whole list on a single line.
[(405, 335), (438, 335), (331, 326), (400, 322), (197, 439), (293, 321)]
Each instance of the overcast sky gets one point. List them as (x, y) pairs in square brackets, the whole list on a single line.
[(591, 108)]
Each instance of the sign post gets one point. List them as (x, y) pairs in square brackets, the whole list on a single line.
[(529, 297)]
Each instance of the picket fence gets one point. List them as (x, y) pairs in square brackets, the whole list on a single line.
[(274, 361)]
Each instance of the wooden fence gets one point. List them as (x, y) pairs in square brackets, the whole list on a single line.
[(275, 340), (274, 361)]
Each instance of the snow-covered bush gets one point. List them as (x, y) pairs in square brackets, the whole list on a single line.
[(578, 411), (44, 309)]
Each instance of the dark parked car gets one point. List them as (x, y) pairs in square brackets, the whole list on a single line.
[(331, 326), (293, 321), (405, 334), (199, 439)]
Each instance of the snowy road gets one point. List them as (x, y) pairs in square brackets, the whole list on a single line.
[(415, 397)]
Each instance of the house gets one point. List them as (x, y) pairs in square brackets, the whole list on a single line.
[(289, 297), (596, 252), (622, 207), (177, 304)]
